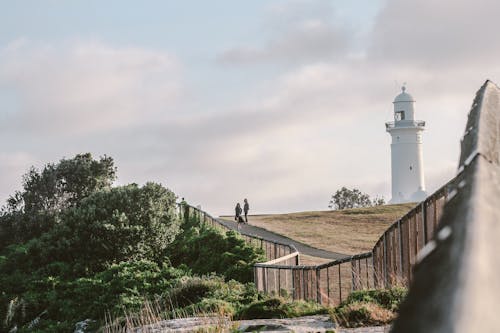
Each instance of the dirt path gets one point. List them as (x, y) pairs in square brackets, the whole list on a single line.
[(251, 230)]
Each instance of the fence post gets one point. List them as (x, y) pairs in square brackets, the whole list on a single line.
[(328, 284), (353, 282), (279, 281), (340, 285), (304, 284), (400, 235), (386, 271), (318, 289), (424, 220)]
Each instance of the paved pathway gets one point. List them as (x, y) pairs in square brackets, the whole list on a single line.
[(251, 230)]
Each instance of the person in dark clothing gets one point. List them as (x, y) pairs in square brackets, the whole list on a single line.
[(237, 211), (246, 208), (237, 215)]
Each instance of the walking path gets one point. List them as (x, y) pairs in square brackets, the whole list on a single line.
[(251, 230)]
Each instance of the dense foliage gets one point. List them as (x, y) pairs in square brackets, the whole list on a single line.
[(74, 247), (346, 198), (47, 192), (196, 247)]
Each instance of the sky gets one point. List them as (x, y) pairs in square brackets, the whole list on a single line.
[(281, 102)]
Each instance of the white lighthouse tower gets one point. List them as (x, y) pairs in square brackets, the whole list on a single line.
[(406, 151)]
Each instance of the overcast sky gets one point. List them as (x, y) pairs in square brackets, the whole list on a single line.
[(282, 102)]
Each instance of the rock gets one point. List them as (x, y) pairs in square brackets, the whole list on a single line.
[(319, 323), (81, 326)]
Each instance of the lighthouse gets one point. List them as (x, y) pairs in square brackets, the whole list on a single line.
[(407, 169)]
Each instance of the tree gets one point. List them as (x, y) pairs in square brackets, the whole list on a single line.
[(124, 223), (346, 198), (378, 201), (48, 192), (58, 186)]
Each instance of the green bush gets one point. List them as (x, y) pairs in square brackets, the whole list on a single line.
[(206, 250), (278, 307), (358, 314), (122, 286), (369, 307), (47, 192), (72, 247), (387, 298)]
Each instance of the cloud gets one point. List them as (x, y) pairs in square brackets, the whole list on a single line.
[(297, 134), (301, 31), (82, 87), (436, 33)]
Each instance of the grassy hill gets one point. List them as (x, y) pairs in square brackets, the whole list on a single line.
[(349, 231)]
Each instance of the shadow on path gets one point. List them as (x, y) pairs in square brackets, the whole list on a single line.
[(250, 230)]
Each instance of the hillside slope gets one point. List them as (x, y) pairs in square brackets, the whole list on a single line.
[(349, 231)]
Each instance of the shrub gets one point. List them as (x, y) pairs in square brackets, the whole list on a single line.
[(206, 250), (359, 314), (369, 307), (277, 307), (123, 223), (35, 210), (387, 298)]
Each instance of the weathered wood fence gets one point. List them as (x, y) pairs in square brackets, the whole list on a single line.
[(406, 242), (389, 263), (456, 284)]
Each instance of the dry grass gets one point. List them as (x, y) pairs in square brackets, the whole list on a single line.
[(349, 231), (311, 261)]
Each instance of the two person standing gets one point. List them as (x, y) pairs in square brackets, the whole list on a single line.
[(237, 210)]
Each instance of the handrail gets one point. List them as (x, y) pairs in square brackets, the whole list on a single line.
[(280, 259)]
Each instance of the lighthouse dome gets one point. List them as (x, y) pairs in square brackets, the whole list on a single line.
[(404, 97)]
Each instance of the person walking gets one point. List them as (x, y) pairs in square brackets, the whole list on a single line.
[(246, 208), (237, 215)]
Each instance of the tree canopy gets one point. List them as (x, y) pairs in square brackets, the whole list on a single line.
[(346, 198), (46, 193)]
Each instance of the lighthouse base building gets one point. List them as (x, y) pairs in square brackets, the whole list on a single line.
[(407, 170)]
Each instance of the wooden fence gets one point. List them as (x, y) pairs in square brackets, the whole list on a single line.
[(388, 264), (272, 249), (449, 282), (455, 284), (397, 249)]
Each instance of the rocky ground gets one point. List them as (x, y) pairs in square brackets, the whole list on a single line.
[(320, 323)]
